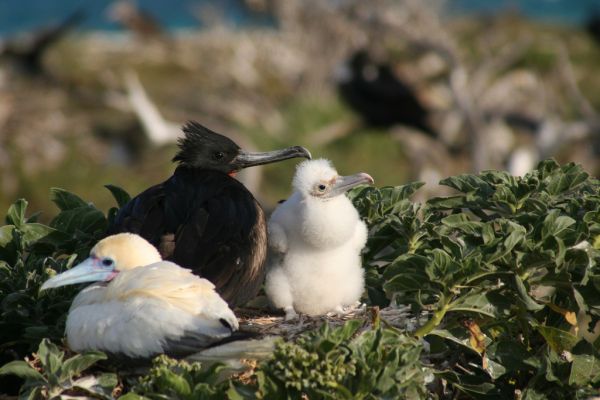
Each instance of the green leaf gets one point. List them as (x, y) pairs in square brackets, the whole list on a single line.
[(32, 232), (467, 183), (79, 363), (496, 370), (463, 223), (557, 339), (585, 369), (66, 200), (463, 340), (555, 224), (50, 356), (6, 234), (177, 384), (524, 297), (85, 219), (477, 302), (16, 213), (572, 176), (22, 370), (120, 195), (101, 385)]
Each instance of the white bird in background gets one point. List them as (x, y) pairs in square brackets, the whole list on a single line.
[(142, 306), (315, 240)]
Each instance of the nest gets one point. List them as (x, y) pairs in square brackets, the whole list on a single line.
[(266, 323)]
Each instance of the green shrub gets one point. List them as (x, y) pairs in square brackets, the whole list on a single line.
[(502, 281), (49, 375), (507, 269), (348, 362), (179, 380)]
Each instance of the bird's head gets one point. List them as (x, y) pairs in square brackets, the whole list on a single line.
[(107, 258), (318, 179), (205, 149)]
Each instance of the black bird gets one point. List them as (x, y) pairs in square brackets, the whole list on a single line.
[(26, 52), (379, 96), (592, 25), (204, 219)]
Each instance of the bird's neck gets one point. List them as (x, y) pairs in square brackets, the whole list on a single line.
[(188, 172)]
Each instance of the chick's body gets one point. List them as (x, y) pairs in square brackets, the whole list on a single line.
[(315, 243)]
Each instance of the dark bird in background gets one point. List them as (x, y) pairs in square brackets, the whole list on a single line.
[(25, 53), (379, 96), (203, 218), (592, 25)]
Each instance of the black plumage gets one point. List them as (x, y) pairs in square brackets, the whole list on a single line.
[(382, 100), (592, 25), (26, 53), (204, 219)]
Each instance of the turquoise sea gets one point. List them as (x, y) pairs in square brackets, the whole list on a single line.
[(21, 15)]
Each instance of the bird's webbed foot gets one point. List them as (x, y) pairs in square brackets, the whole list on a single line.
[(343, 310), (337, 311)]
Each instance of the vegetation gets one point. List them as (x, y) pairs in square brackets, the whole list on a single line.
[(502, 280)]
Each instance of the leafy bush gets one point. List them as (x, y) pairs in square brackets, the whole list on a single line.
[(30, 253), (49, 375), (348, 362), (180, 380), (505, 274), (507, 269)]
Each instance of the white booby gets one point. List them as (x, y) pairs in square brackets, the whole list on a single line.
[(142, 306), (315, 240)]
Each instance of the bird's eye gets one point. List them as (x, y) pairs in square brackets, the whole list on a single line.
[(107, 262), (322, 187), (218, 155)]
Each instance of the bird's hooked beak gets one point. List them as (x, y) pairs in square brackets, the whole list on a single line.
[(246, 159), (345, 183), (89, 270)]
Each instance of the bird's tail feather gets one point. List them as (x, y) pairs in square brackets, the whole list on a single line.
[(233, 351)]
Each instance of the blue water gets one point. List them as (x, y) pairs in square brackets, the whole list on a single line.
[(21, 15), (570, 12)]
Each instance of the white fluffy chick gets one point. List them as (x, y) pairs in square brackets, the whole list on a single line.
[(315, 240)]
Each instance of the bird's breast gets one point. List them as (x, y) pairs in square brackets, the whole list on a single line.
[(328, 224)]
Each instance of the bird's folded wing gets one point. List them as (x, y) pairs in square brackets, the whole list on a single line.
[(175, 287), (202, 222)]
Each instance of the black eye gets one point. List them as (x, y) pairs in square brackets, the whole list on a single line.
[(218, 155), (322, 187), (107, 262)]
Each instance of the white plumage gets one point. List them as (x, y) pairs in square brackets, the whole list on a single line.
[(315, 240), (148, 307)]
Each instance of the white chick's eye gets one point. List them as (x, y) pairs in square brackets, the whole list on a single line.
[(321, 188)]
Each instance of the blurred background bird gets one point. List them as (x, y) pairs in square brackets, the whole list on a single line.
[(141, 305), (496, 90), (315, 240), (204, 219), (25, 53), (378, 95)]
